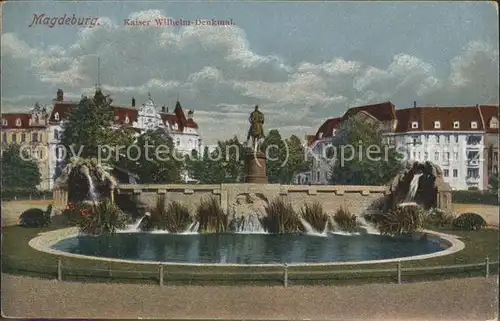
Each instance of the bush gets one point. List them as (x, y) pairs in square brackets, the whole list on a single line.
[(475, 197), (174, 218), (402, 220), (34, 217), (281, 218), (436, 217), (314, 215), (469, 222), (102, 217), (211, 216), (345, 220)]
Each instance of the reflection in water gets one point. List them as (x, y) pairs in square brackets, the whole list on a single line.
[(245, 248)]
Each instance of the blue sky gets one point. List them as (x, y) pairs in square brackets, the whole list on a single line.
[(302, 62)]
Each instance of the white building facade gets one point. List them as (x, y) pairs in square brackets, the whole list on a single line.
[(183, 130), (451, 137)]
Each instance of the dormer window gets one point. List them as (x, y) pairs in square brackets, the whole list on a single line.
[(333, 132), (473, 125), (320, 135), (494, 122), (18, 122), (127, 120), (56, 116), (414, 124), (30, 121), (4, 122), (437, 124), (456, 124)]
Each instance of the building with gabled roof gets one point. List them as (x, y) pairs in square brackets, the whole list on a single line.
[(462, 140)]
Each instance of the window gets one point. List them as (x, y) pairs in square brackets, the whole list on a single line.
[(473, 125), (456, 124), (494, 122), (495, 156), (14, 138), (415, 139), (437, 124), (456, 139), (437, 138), (318, 175), (41, 138), (57, 153), (455, 173), (436, 156), (127, 120), (34, 137), (40, 154), (4, 137), (473, 172), (446, 156), (473, 140), (18, 122), (56, 116), (414, 124), (414, 155), (23, 137), (4, 122), (446, 173)]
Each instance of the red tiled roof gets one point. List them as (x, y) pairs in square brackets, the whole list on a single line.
[(121, 113), (63, 109), (426, 116), (382, 112), (488, 112), (12, 118), (325, 130)]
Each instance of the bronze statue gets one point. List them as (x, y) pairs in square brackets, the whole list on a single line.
[(256, 130)]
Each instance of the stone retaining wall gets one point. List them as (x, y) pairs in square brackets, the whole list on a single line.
[(247, 198)]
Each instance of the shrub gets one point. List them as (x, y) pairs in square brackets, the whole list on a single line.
[(34, 217), (475, 197), (314, 215), (345, 220), (281, 218), (102, 217), (211, 216), (469, 222), (401, 221), (436, 217), (157, 218)]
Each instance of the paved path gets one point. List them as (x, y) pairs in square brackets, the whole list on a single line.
[(460, 299)]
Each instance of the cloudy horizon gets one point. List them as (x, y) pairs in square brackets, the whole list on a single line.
[(300, 62)]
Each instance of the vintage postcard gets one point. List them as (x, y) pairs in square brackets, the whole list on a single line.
[(250, 160)]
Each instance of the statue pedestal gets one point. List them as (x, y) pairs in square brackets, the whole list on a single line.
[(256, 170)]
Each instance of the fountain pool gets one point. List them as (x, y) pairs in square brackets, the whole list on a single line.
[(236, 248)]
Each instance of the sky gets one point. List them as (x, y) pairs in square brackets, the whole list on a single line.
[(301, 62)]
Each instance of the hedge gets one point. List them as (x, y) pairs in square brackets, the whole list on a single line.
[(474, 197)]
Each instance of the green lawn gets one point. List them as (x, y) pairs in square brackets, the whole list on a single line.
[(19, 258)]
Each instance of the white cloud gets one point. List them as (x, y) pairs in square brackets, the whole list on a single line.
[(216, 72)]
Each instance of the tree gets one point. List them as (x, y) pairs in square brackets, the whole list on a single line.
[(494, 183), (154, 159), (296, 161), (89, 127), (275, 150), (17, 171), (362, 157)]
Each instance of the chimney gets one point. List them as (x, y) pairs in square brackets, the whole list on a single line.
[(60, 95), (133, 102), (414, 104), (163, 108)]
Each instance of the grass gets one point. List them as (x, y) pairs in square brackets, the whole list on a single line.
[(19, 258)]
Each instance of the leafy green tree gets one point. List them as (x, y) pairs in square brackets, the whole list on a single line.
[(89, 127), (18, 172), (362, 156), (494, 183), (231, 160), (153, 158), (296, 161), (275, 150)]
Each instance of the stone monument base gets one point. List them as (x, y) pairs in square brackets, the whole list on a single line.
[(256, 170)]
